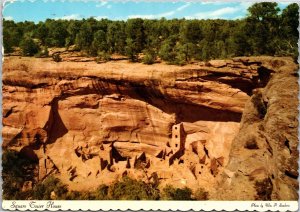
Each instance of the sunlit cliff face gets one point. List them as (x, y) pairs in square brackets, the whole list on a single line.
[(91, 124)]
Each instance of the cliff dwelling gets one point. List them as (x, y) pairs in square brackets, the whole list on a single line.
[(182, 125)]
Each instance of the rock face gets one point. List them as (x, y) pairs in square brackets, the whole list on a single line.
[(93, 123), (263, 160)]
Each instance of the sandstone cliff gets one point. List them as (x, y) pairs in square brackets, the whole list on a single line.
[(263, 160), (93, 123)]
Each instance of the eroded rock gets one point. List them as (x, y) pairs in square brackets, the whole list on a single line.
[(91, 123)]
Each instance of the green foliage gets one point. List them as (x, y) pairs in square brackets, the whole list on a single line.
[(191, 31), (241, 42), (149, 57), (102, 193), (131, 50), (12, 35), (185, 52), (7, 42), (264, 10), (129, 189), (135, 38), (290, 19), (41, 32), (99, 43), (72, 29), (116, 37), (16, 170), (84, 37), (171, 193), (74, 195), (180, 59), (167, 50), (286, 44), (265, 31), (57, 33), (43, 190), (29, 47), (125, 189), (43, 53), (102, 57), (263, 24), (83, 195)]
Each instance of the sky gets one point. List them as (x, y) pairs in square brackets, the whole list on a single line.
[(40, 10)]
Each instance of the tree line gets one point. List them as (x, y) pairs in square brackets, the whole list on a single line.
[(265, 31)]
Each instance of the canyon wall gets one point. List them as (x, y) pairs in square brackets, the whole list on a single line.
[(264, 155), (91, 123)]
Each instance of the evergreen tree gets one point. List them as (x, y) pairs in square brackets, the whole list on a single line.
[(29, 47), (72, 29), (287, 42), (116, 37), (84, 37), (41, 32), (135, 38), (263, 22), (99, 43), (167, 50), (263, 32), (57, 33)]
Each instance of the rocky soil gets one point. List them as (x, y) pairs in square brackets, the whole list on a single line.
[(228, 126)]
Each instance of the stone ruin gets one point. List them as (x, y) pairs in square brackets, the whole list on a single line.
[(192, 154), (91, 124)]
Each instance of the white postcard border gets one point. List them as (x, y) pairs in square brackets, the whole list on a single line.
[(42, 205), (95, 205)]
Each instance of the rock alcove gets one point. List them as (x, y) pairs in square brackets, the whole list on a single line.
[(91, 124)]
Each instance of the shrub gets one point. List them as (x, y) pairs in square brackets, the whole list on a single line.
[(42, 191), (184, 53), (171, 193), (180, 59), (166, 51), (82, 195), (102, 192), (149, 57), (56, 57), (7, 44), (259, 104), (103, 57), (74, 195), (126, 189), (264, 189), (201, 194), (16, 170), (42, 53), (131, 50), (29, 47), (129, 189)]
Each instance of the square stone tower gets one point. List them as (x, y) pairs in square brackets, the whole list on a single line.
[(177, 142), (178, 138)]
